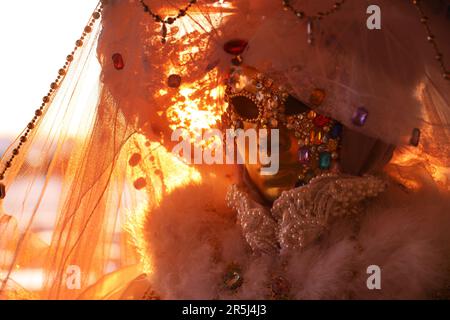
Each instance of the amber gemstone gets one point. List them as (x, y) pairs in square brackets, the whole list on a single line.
[(235, 47), (316, 137), (118, 61), (319, 138), (311, 115), (317, 97), (312, 136)]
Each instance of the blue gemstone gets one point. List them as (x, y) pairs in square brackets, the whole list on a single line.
[(360, 116), (336, 131), (325, 160)]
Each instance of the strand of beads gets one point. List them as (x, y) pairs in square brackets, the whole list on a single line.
[(318, 16), (431, 39), (167, 20), (311, 18), (258, 227), (48, 98), (304, 213)]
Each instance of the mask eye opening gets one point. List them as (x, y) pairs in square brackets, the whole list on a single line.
[(293, 106), (245, 107)]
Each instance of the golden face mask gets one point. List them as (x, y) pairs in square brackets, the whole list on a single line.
[(309, 142)]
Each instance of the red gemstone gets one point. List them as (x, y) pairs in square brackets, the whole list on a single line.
[(118, 61), (2, 191), (135, 159), (321, 121), (140, 183), (235, 47)]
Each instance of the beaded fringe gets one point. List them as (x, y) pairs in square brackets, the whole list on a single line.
[(300, 215)]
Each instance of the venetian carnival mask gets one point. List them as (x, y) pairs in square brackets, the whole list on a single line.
[(309, 143)]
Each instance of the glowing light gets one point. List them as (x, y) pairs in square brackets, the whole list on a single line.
[(409, 156), (175, 174), (194, 106)]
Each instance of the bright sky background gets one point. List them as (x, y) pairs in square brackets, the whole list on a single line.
[(36, 36)]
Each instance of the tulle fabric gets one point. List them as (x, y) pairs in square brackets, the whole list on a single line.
[(72, 156), (92, 128)]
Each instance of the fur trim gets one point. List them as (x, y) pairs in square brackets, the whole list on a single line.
[(193, 239)]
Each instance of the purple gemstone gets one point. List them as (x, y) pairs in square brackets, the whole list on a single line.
[(303, 155), (360, 116)]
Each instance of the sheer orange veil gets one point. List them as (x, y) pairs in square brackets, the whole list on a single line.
[(79, 156), (73, 156)]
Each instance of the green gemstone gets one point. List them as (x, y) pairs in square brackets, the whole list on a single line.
[(325, 160)]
